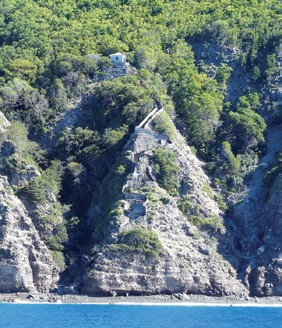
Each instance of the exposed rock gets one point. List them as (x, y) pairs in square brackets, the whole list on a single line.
[(4, 123), (123, 272), (25, 262), (272, 219), (22, 172), (259, 225), (273, 210), (189, 261)]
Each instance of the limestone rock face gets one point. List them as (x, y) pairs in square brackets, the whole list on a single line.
[(273, 211), (4, 123), (121, 273), (189, 261), (25, 262), (272, 219)]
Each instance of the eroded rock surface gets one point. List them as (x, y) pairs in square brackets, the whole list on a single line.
[(189, 261), (25, 262)]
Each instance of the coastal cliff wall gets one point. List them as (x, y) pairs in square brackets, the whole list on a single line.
[(188, 259), (25, 262)]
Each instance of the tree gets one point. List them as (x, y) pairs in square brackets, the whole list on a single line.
[(247, 129)]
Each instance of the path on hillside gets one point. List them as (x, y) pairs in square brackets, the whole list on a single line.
[(136, 201)]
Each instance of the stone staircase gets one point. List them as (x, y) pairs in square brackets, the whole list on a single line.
[(134, 206)]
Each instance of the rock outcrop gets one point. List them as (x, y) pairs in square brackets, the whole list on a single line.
[(268, 278), (25, 262), (259, 218), (4, 123), (189, 260)]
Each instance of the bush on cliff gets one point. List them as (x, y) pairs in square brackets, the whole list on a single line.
[(164, 162), (141, 241)]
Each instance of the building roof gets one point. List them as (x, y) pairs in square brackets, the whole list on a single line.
[(117, 54)]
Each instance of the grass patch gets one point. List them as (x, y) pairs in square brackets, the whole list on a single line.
[(192, 213)]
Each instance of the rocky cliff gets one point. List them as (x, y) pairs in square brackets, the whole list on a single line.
[(267, 275), (148, 238), (25, 262), (187, 258)]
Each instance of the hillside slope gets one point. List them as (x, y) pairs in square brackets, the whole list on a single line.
[(188, 259)]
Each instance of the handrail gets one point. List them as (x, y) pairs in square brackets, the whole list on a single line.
[(147, 118), (151, 115)]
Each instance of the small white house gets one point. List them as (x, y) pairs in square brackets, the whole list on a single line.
[(118, 59)]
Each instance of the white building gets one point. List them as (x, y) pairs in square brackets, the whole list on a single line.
[(118, 59)]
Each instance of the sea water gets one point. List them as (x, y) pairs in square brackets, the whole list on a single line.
[(137, 316)]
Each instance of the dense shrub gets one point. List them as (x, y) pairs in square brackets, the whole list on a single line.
[(164, 162), (141, 241), (187, 207), (163, 124), (44, 188)]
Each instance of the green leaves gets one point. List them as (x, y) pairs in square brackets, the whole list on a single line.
[(44, 188), (164, 162), (246, 126), (141, 241), (81, 142), (196, 97), (122, 101), (112, 137)]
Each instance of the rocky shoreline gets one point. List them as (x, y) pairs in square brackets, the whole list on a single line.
[(175, 299)]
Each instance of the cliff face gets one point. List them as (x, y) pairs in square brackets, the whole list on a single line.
[(273, 212), (258, 218), (189, 260), (25, 262), (154, 240), (268, 279)]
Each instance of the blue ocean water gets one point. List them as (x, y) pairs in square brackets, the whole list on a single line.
[(136, 316)]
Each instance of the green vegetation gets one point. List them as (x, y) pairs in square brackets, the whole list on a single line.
[(141, 241), (213, 223), (193, 213), (44, 187), (222, 75), (187, 207), (164, 125), (18, 135), (196, 96), (112, 137), (110, 188), (45, 46), (59, 259), (232, 163), (120, 103), (81, 142), (52, 53), (164, 162), (246, 126), (55, 242)]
